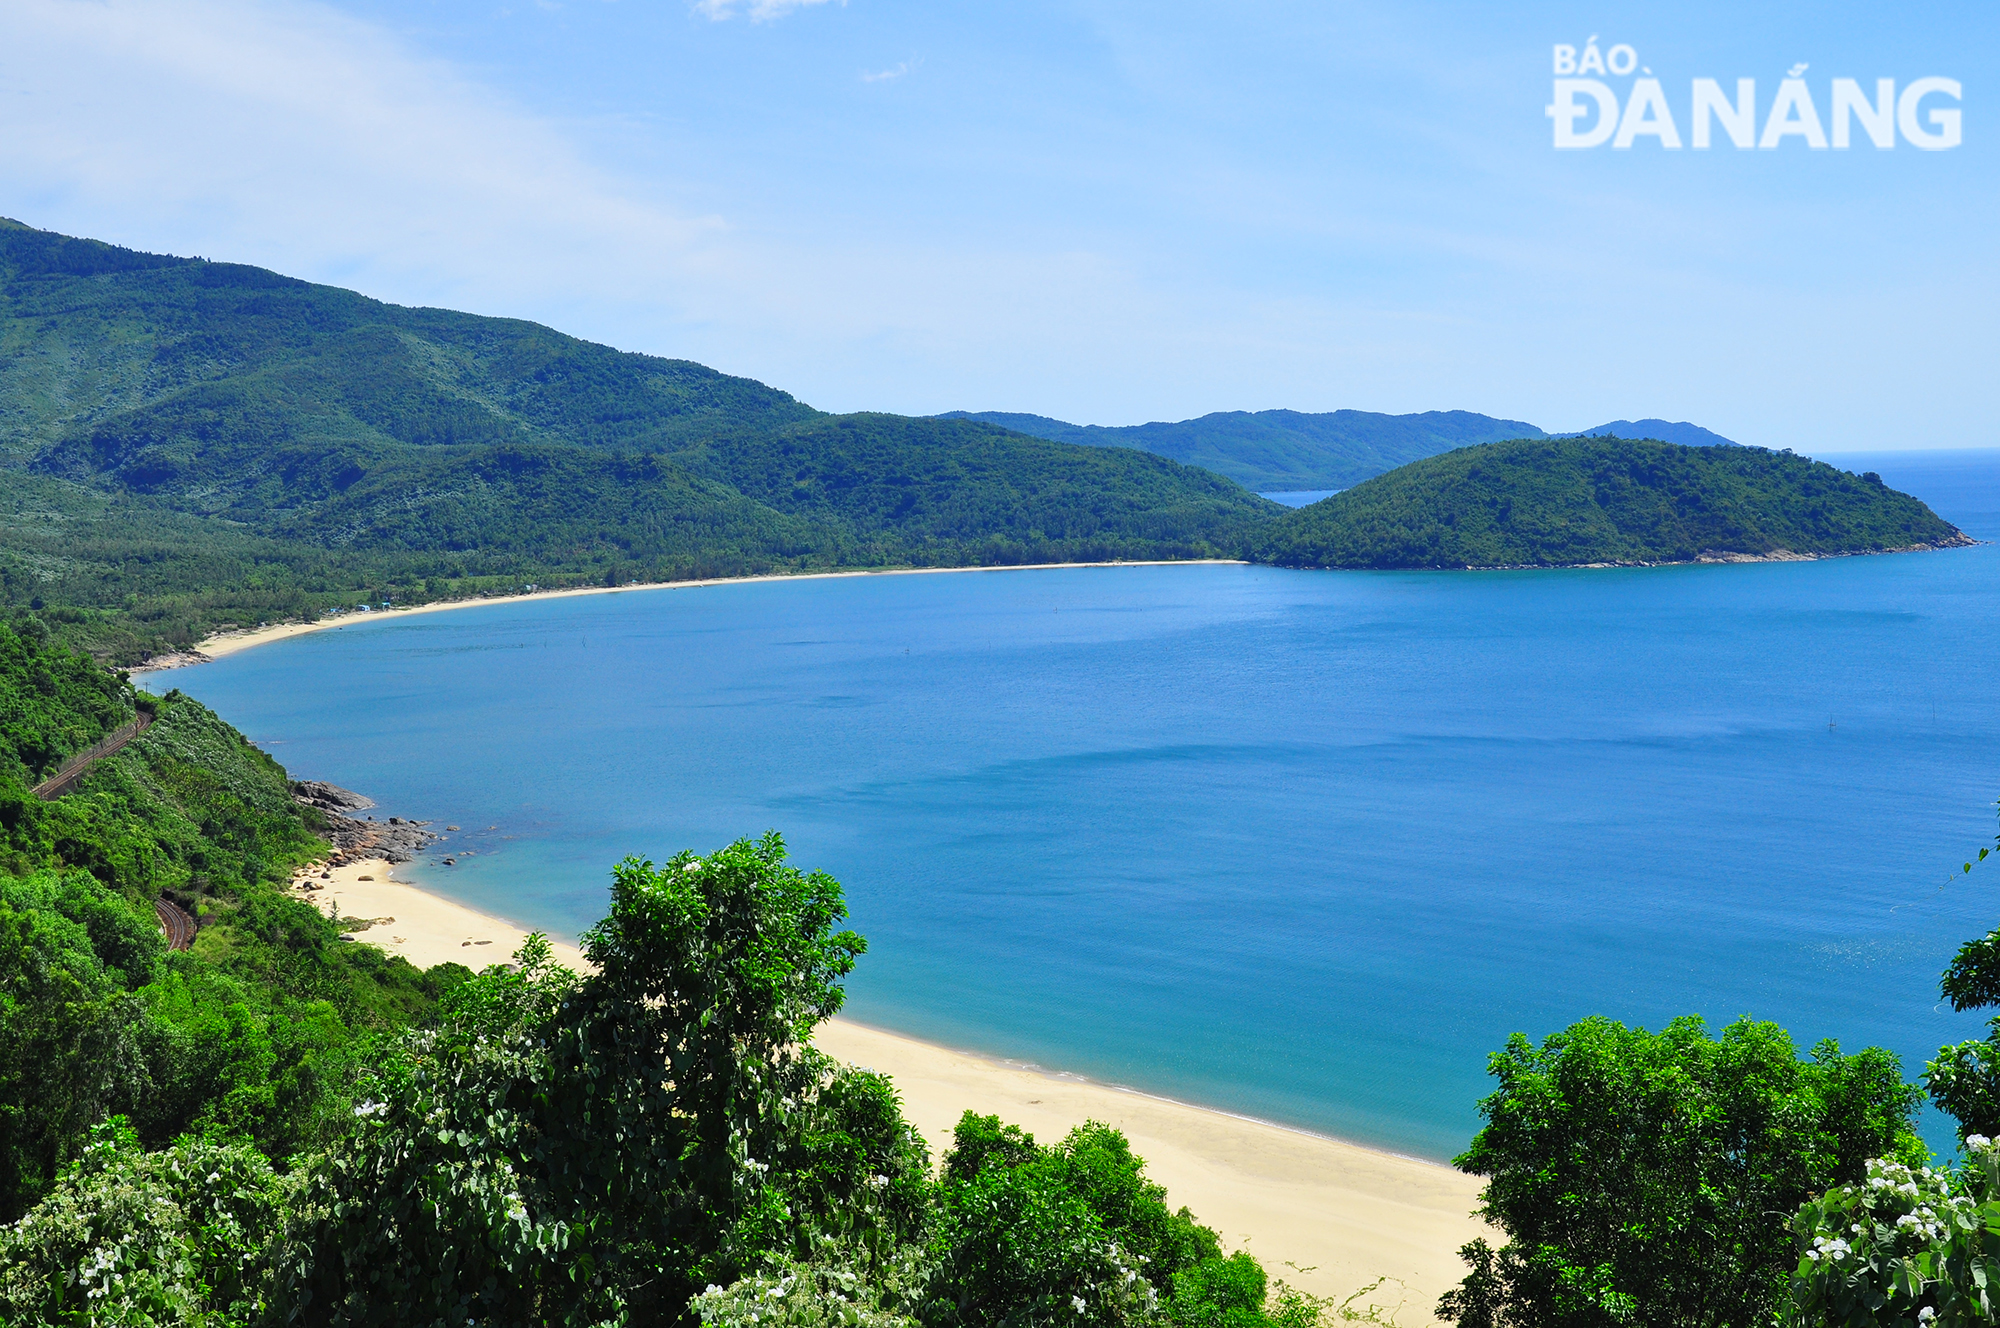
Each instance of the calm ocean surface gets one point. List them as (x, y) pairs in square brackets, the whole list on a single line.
[(1302, 845)]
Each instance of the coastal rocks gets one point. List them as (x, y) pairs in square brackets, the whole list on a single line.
[(330, 797), (172, 659), (354, 838)]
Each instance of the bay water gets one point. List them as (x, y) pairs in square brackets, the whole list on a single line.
[(1306, 846)]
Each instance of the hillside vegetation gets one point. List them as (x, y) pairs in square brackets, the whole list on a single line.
[(186, 443), (260, 1031), (1569, 502), (189, 446)]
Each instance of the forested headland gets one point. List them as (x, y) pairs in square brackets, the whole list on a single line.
[(1581, 501)]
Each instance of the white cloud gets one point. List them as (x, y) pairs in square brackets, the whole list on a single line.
[(284, 134), (884, 75), (760, 11), (288, 135)]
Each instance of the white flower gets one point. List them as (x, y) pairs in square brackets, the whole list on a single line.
[(1077, 1303), (692, 866), (1926, 1314), (1977, 1141)]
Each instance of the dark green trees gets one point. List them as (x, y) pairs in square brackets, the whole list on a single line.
[(1071, 1234), (569, 1150), (1648, 1178)]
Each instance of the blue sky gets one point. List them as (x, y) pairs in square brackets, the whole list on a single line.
[(1106, 212)]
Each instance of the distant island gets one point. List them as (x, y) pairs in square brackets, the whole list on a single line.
[(1602, 500), (1289, 451)]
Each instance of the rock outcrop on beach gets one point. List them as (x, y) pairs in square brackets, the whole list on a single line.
[(355, 838)]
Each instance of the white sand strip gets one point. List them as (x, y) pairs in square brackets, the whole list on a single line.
[(228, 643)]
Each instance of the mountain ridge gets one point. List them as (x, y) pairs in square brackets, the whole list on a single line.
[(1275, 451), (170, 423)]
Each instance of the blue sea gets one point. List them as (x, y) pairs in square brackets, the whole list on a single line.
[(1302, 845)]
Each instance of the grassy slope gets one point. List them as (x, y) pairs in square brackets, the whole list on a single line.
[(189, 443), (1271, 451), (1591, 500)]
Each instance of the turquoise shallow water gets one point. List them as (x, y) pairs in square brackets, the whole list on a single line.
[(1306, 846)]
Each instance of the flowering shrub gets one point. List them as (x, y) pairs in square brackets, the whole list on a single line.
[(838, 1288), (1908, 1246), (181, 1236)]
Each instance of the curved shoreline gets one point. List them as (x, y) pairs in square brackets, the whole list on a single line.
[(230, 643), (1329, 1215)]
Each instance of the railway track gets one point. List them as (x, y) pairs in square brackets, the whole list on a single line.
[(176, 922), (64, 779)]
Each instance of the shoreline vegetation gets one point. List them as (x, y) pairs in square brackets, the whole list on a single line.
[(1327, 1214)]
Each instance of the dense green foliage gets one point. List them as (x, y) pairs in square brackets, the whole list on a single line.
[(1051, 1234), (656, 1141), (1647, 1178), (190, 1234), (1569, 502), (185, 444), (1273, 451), (257, 1033)]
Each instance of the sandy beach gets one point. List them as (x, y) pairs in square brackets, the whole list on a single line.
[(1326, 1215), (228, 643)]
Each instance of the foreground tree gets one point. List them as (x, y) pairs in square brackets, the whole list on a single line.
[(1643, 1178), (583, 1150), (183, 1236)]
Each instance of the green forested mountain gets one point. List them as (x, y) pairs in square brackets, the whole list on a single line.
[(186, 443), (1273, 451), (1565, 502)]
